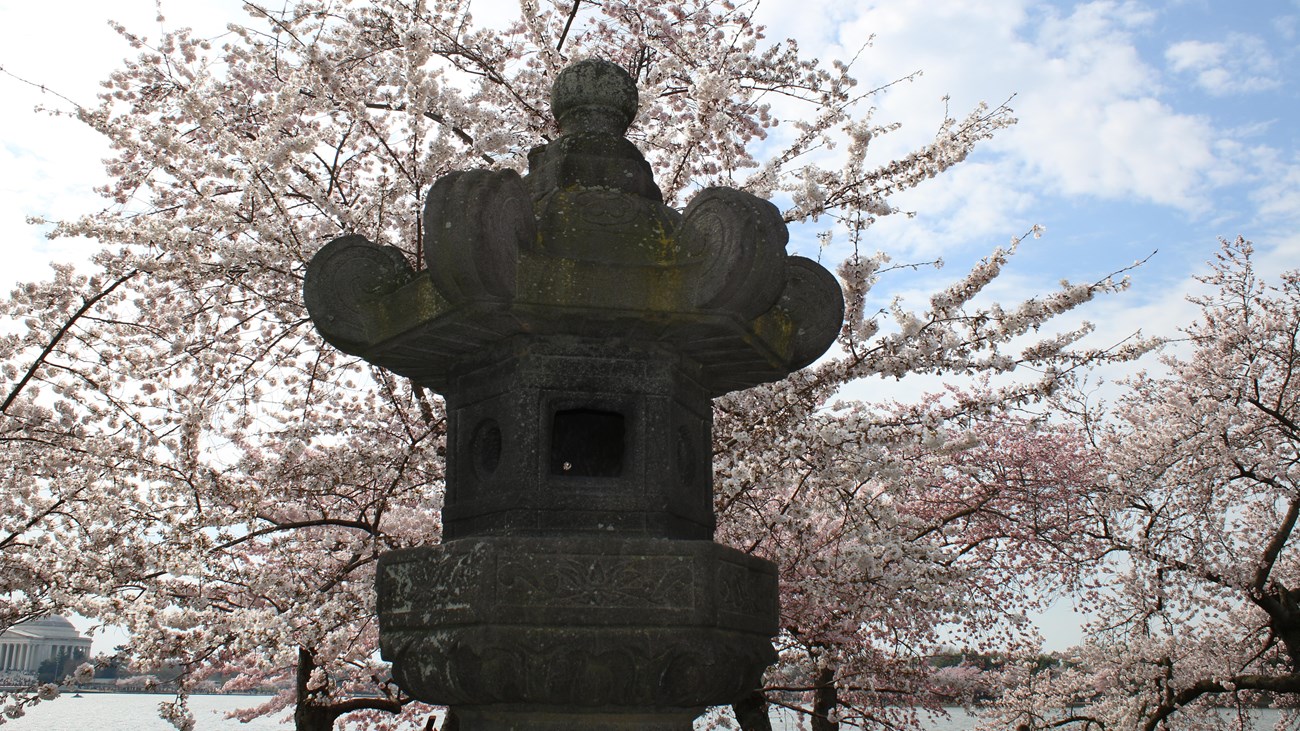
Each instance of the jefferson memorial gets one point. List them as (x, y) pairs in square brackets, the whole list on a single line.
[(25, 646)]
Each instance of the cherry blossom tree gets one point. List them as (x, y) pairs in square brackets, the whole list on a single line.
[(896, 532), (1196, 562), (197, 466)]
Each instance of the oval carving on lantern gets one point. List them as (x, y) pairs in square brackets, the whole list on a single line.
[(740, 240), (485, 448), (343, 279), (814, 302), (475, 223)]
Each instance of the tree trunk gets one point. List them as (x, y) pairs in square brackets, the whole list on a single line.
[(825, 700), (307, 715), (450, 722), (751, 712), (315, 711), (1284, 619)]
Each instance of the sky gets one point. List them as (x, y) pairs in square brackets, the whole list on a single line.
[(1145, 129)]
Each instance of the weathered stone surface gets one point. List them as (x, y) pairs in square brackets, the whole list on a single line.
[(582, 622), (739, 240), (476, 222), (566, 436), (597, 254), (810, 293), (578, 328), (594, 96), (495, 718), (587, 581), (585, 669), (592, 160), (343, 287)]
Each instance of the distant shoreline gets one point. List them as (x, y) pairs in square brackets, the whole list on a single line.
[(68, 691)]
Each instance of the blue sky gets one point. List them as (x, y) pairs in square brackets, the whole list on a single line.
[(1144, 126)]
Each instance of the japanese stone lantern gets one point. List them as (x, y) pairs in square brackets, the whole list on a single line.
[(578, 329)]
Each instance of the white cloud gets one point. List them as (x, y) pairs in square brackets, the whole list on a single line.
[(1240, 64), (1100, 122), (1193, 55), (1093, 121), (1117, 148), (1285, 25), (975, 201), (1279, 198), (51, 167)]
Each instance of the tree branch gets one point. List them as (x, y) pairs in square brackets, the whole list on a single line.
[(366, 704), (67, 326), (1271, 683), (1276, 544), (565, 33), (461, 134), (294, 525)]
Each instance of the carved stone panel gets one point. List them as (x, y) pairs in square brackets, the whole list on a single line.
[(581, 581), (580, 668)]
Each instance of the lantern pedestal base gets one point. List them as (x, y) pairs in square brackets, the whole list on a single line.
[(574, 633), (472, 719)]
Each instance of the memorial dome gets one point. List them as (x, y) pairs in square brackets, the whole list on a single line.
[(51, 627)]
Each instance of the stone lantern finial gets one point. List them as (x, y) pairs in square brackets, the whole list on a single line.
[(594, 96)]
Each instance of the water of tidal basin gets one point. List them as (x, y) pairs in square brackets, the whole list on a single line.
[(139, 712)]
